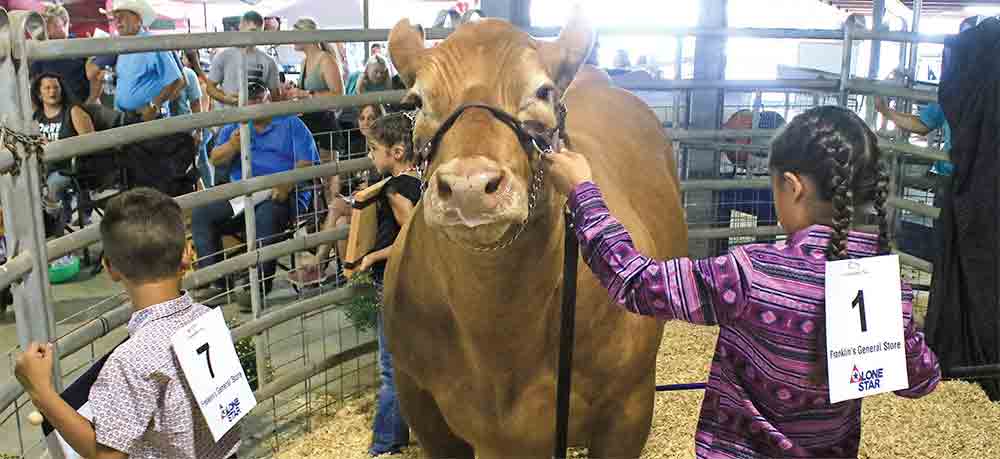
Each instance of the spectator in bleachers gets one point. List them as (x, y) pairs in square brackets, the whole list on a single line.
[(223, 81), (72, 70), (321, 76), (58, 117), (279, 144), (374, 78), (145, 81)]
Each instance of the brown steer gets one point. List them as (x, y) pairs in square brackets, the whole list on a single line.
[(474, 332)]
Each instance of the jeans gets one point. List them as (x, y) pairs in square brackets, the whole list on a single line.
[(57, 184), (205, 168), (389, 430), (210, 222)]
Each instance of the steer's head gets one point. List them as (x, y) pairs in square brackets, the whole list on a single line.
[(479, 177)]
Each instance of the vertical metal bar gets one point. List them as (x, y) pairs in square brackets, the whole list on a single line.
[(878, 17), (678, 75), (249, 217), (845, 63), (33, 309), (918, 7), (366, 15)]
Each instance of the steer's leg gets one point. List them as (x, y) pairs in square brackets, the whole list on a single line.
[(624, 427), (427, 422)]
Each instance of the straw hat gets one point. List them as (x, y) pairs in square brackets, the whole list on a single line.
[(142, 8)]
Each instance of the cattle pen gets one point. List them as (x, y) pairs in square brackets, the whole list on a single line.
[(315, 370)]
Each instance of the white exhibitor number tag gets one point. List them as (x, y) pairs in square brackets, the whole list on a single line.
[(212, 369), (864, 328)]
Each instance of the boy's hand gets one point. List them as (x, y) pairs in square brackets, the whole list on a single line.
[(567, 170), (33, 368)]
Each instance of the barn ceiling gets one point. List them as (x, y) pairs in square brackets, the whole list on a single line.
[(929, 7)]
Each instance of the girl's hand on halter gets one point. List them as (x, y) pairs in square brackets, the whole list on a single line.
[(567, 169)]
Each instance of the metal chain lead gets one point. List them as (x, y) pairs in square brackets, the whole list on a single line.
[(33, 145)]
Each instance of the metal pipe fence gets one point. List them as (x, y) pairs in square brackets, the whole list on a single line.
[(305, 347)]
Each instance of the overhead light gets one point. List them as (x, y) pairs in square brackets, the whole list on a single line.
[(982, 9)]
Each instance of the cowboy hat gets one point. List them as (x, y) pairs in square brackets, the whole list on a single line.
[(141, 8)]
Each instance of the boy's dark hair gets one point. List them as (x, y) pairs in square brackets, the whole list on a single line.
[(143, 235), (837, 150), (253, 17), (395, 129), (68, 98)]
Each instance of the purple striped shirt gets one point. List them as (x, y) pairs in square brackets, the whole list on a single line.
[(768, 300)]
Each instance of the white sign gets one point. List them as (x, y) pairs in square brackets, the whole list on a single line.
[(212, 369), (864, 328)]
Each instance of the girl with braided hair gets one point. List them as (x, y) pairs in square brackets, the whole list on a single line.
[(767, 395)]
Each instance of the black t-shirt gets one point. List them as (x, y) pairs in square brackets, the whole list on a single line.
[(406, 186), (57, 128)]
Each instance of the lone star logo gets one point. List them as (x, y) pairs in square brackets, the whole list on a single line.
[(855, 375)]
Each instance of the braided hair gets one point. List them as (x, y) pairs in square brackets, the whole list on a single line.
[(836, 149)]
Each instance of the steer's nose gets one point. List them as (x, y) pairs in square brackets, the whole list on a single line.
[(471, 188)]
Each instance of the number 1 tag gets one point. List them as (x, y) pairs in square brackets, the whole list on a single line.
[(212, 369), (864, 328)]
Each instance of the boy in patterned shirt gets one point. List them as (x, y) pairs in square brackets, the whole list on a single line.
[(142, 407)]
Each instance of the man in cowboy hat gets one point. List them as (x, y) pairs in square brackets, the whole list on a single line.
[(146, 81)]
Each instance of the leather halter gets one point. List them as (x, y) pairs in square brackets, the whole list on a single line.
[(544, 143)]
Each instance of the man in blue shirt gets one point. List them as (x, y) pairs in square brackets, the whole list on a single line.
[(277, 145), (930, 118), (146, 81)]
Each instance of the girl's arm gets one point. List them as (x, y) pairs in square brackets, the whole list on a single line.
[(705, 292), (922, 367), (401, 210)]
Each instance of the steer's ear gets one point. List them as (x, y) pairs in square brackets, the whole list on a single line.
[(406, 46), (564, 56)]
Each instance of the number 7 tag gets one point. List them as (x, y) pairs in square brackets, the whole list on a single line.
[(864, 328), (206, 354)]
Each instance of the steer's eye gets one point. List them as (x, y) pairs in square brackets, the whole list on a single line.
[(545, 93)]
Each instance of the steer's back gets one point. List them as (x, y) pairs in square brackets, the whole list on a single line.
[(633, 164)]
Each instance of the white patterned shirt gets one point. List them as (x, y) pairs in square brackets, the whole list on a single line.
[(142, 405)]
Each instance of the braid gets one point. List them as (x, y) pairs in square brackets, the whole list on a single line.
[(843, 202), (881, 196)]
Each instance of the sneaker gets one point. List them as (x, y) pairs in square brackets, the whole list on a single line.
[(306, 276)]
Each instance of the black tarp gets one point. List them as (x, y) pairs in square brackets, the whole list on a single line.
[(963, 317)]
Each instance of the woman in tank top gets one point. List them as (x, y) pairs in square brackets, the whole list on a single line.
[(321, 76), (58, 117)]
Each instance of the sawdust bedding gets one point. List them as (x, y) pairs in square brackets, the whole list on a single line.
[(956, 421)]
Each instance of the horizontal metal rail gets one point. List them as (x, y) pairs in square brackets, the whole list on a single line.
[(682, 135), (86, 47), (291, 311), (893, 149), (914, 207), (274, 251), (286, 381), (732, 85), (720, 185), (112, 138), (18, 266), (866, 86)]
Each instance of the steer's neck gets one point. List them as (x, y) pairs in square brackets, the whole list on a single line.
[(511, 285)]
